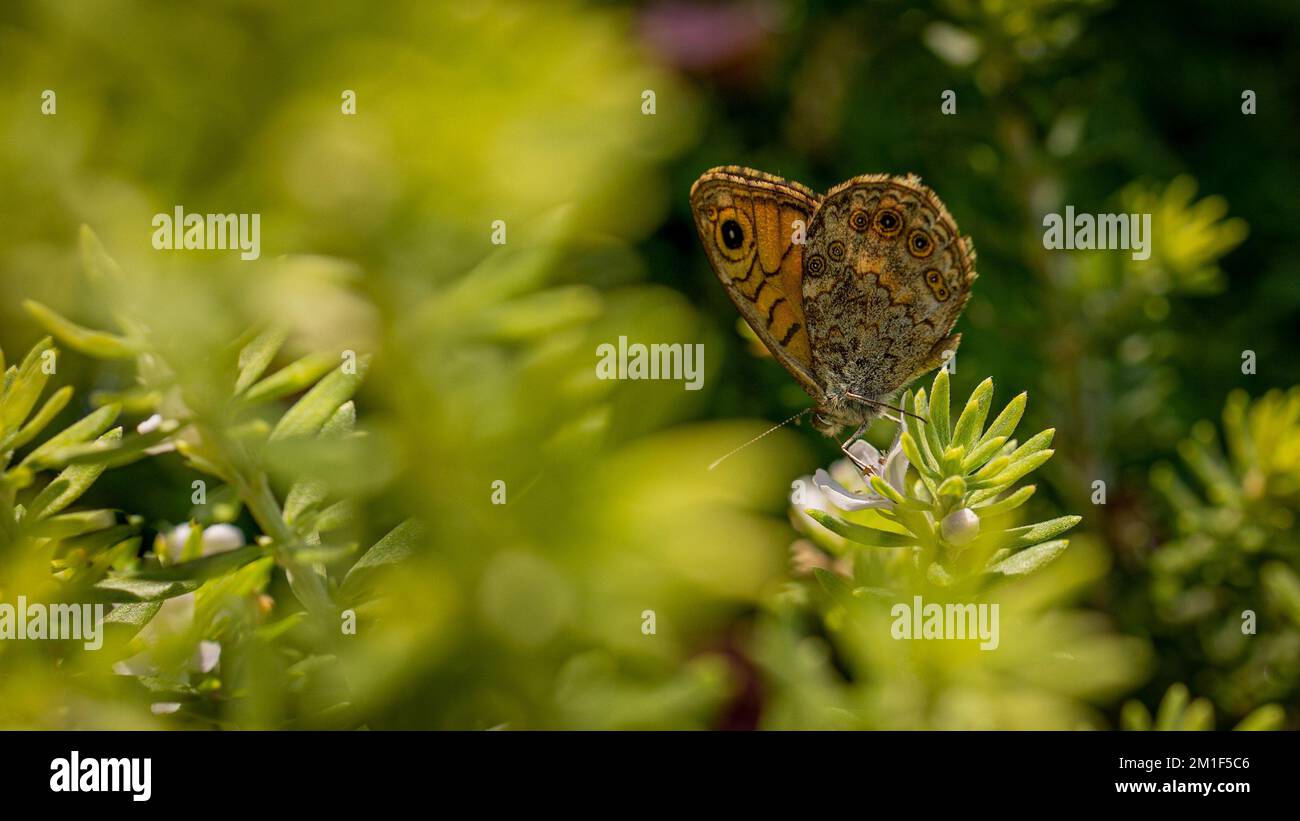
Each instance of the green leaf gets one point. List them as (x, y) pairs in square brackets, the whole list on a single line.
[(1134, 716), (912, 426), (939, 410), (1172, 707), (1021, 467), (310, 413), (1268, 717), (914, 456), (1033, 534), (931, 446), (24, 387), (68, 525), (257, 355), (136, 614), (83, 430), (992, 469), (308, 493), (68, 485), (393, 548), (97, 541), (982, 453), (953, 486), (208, 567), (126, 589), (1027, 561), (325, 553), (886, 490), (57, 402), (971, 421), (1282, 586), (1010, 503), (1005, 423), (859, 534), (343, 421), (952, 459), (192, 550), (109, 453), (98, 344), (1036, 443), (100, 267), (835, 585), (336, 516), (294, 377)]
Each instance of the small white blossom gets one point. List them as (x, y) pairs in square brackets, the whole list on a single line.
[(218, 538), (892, 467), (150, 425)]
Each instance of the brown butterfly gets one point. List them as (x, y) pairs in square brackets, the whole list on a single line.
[(855, 293)]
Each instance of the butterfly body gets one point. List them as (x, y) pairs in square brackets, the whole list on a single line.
[(855, 293)]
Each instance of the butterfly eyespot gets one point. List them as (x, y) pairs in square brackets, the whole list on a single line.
[(836, 250), (816, 264), (859, 221), (733, 236), (932, 277), (889, 222), (919, 244), (942, 294)]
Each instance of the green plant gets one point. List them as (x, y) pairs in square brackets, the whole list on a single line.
[(37, 532), (1178, 711), (238, 436), (839, 654), (954, 517), (1224, 587)]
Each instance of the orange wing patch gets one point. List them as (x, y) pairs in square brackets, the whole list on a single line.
[(748, 223)]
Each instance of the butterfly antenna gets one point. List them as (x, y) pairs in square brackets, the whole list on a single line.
[(778, 426), (886, 407)]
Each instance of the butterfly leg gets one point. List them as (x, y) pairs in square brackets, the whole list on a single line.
[(844, 447)]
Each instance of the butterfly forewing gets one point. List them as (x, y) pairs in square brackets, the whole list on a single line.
[(752, 226)]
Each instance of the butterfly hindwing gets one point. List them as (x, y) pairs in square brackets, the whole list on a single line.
[(886, 276), (752, 225)]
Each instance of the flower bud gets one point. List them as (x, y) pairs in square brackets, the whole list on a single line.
[(960, 526)]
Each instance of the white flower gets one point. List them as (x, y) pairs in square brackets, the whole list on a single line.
[(150, 425), (174, 618), (891, 467), (219, 538)]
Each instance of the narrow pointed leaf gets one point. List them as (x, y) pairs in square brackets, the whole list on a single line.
[(310, 413), (292, 378), (859, 534), (68, 485), (1006, 421), (1027, 561), (57, 402), (257, 355), (99, 344), (971, 421), (939, 409)]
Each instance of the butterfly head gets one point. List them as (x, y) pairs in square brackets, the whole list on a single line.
[(840, 409)]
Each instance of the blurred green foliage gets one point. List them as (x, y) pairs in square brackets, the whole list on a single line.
[(377, 494), (1225, 589)]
